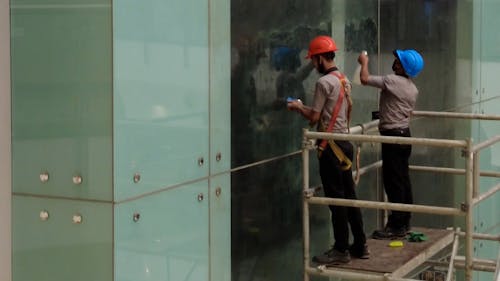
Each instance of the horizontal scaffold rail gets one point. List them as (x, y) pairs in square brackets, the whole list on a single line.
[(386, 139), (386, 206), (455, 115), (486, 143), (353, 275)]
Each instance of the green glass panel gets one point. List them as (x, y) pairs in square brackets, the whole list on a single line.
[(58, 249), (160, 94), (487, 211), (168, 240), (61, 97), (220, 228), (490, 36), (220, 89)]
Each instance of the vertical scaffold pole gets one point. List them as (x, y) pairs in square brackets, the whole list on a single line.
[(469, 227), (305, 204)]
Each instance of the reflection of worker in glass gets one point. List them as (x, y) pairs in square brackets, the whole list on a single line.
[(398, 97), (289, 81), (329, 110)]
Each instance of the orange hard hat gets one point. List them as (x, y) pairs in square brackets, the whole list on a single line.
[(321, 44)]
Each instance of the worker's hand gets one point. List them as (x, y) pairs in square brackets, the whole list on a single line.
[(363, 58), (295, 105)]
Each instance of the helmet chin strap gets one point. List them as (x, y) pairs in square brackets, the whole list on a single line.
[(321, 68)]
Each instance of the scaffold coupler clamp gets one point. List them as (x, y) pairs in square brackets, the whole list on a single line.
[(464, 207), (308, 193), (308, 144)]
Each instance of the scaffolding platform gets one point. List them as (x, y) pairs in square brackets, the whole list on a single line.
[(399, 261)]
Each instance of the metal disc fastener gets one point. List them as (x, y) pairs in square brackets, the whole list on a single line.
[(77, 179), (44, 177), (136, 217), (200, 197), (201, 161), (218, 156), (77, 219), (137, 177), (44, 215), (218, 191)]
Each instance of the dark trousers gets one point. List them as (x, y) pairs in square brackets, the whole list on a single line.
[(339, 184), (396, 177)]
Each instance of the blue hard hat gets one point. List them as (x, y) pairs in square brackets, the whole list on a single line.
[(411, 61), (285, 57)]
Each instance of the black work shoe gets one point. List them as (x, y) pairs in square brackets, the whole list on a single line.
[(332, 257), (389, 233), (360, 252)]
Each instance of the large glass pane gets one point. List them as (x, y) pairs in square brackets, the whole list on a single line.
[(50, 243), (160, 94), (220, 88), (163, 236), (489, 60), (220, 228), (268, 65), (429, 27), (61, 97)]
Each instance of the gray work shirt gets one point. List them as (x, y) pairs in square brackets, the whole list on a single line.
[(397, 100), (325, 98)]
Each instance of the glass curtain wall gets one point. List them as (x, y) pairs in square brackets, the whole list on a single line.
[(61, 140), (269, 42)]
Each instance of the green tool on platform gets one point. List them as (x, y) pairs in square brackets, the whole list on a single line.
[(415, 236)]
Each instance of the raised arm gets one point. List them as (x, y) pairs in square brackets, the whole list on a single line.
[(364, 74)]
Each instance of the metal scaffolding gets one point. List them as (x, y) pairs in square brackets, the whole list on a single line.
[(472, 172)]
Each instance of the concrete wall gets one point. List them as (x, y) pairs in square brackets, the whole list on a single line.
[(5, 132)]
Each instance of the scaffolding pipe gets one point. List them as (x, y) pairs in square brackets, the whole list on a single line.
[(454, 171), (492, 174), (471, 172), (386, 206), (443, 170), (475, 175), (387, 139), (323, 271), (362, 128), (485, 262), (486, 143), (453, 255), (482, 236), (497, 270), (368, 168), (485, 195), (461, 265), (469, 225), (456, 115), (305, 206)]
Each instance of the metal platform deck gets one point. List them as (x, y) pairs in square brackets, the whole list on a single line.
[(400, 261)]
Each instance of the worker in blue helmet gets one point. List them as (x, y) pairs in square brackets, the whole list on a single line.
[(398, 97)]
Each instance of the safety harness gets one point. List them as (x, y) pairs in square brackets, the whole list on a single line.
[(345, 162)]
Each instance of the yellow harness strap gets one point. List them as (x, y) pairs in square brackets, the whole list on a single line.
[(345, 162)]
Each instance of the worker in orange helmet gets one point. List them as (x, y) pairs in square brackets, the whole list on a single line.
[(330, 111)]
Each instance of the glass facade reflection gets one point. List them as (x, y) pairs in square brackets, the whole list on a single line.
[(265, 63), (173, 114)]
